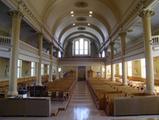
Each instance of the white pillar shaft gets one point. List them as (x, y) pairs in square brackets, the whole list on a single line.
[(124, 72), (16, 22), (51, 63), (112, 66), (146, 17), (123, 47), (40, 40)]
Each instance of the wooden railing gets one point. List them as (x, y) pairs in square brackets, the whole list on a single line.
[(5, 41)]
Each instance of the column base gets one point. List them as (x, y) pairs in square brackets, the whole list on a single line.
[(125, 84), (12, 93), (39, 84), (150, 92)]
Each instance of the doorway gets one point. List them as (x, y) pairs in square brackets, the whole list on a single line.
[(81, 73)]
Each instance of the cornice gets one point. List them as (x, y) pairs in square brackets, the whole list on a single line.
[(126, 21), (32, 19)]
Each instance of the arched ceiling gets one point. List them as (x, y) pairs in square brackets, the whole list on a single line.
[(56, 17)]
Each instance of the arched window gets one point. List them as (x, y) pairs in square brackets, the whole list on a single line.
[(81, 47), (103, 54)]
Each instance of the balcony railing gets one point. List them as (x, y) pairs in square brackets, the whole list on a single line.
[(155, 42), (5, 41)]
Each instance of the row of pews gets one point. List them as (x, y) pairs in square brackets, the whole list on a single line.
[(60, 90), (25, 81), (47, 96), (116, 99)]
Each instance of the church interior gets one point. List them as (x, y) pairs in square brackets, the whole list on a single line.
[(79, 59)]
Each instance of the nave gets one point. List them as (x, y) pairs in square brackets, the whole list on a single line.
[(82, 107)]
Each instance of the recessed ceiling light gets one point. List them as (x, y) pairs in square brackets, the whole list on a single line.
[(90, 15), (72, 12), (90, 12), (72, 15)]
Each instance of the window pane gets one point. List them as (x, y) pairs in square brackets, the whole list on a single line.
[(120, 69), (81, 52), (103, 54), (86, 45), (76, 51), (76, 45), (81, 43), (129, 64), (143, 69), (86, 52)]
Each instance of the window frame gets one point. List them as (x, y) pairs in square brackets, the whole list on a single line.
[(77, 50)]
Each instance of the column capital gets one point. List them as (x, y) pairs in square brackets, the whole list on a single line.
[(147, 13), (111, 43), (123, 33), (16, 13), (40, 34)]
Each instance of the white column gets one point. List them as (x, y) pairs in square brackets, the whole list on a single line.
[(40, 40), (15, 36), (57, 73), (112, 57), (123, 47), (105, 75), (51, 63), (146, 18)]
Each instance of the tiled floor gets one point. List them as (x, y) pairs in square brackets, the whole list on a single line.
[(81, 107)]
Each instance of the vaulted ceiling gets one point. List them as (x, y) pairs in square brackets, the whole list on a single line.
[(97, 20), (56, 16)]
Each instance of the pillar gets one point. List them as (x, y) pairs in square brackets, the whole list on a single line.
[(105, 75), (112, 57), (40, 40), (15, 36), (51, 63), (124, 65), (146, 18)]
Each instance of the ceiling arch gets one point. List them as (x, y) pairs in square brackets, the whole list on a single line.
[(85, 27), (92, 33), (94, 21), (81, 36)]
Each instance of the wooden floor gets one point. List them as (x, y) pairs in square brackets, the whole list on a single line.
[(81, 107)]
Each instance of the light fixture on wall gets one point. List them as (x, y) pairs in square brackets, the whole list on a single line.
[(73, 24), (89, 24)]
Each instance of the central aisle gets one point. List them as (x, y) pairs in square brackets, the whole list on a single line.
[(81, 106)]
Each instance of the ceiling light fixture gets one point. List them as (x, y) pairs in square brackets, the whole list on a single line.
[(74, 24), (90, 12), (72, 15), (89, 24), (90, 15), (72, 12)]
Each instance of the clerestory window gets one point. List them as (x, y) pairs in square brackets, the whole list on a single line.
[(81, 47)]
